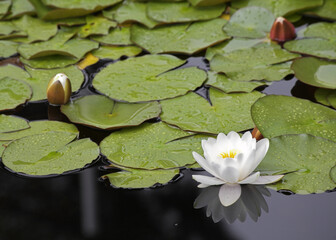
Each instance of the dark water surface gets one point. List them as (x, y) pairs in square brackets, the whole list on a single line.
[(79, 206)]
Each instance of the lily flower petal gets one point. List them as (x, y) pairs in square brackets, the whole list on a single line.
[(207, 180), (250, 179), (229, 194), (204, 164), (230, 174)]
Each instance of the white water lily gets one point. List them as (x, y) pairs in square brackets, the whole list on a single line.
[(231, 160)]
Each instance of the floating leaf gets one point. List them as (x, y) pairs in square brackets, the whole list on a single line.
[(70, 21), (180, 38), (306, 159), (40, 78), (279, 115), (332, 99), (36, 29), (236, 44), (321, 30), (117, 36), (321, 95), (8, 29), (227, 85), (39, 127), (326, 11), (279, 7), (315, 47), (20, 7), (60, 44), (333, 174), (199, 3), (182, 12), (49, 153), (151, 146), (7, 49), (130, 12), (147, 78), (132, 178), (4, 6), (49, 62), (2, 146), (14, 72), (87, 61), (254, 64), (95, 26), (228, 112), (116, 52), (251, 22), (13, 93), (315, 72), (12, 123), (101, 112)]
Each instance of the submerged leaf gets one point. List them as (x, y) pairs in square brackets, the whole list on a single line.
[(228, 112), (182, 38), (101, 112), (146, 78), (306, 159), (278, 115), (151, 146)]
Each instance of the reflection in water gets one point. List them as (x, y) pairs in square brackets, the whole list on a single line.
[(250, 203)]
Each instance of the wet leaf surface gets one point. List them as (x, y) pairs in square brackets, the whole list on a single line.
[(14, 72), (11, 123), (95, 26), (326, 11), (117, 36), (321, 30), (50, 62), (7, 48), (228, 112), (116, 52)]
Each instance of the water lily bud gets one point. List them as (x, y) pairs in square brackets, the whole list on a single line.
[(282, 30), (59, 89), (257, 134)]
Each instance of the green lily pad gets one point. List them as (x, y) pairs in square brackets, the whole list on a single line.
[(228, 112), (132, 178), (250, 22), (116, 52), (314, 46), (12, 123), (332, 99), (40, 78), (60, 44), (321, 30), (180, 38), (237, 44), (147, 78), (13, 93), (315, 72), (4, 7), (151, 146), (333, 173), (279, 7), (3, 145), (40, 127), (70, 21), (49, 153), (321, 95), (7, 48), (101, 112), (90, 5), (14, 72), (36, 29), (182, 12), (8, 29), (227, 85), (306, 159), (199, 3), (326, 11), (279, 115), (129, 11), (117, 36), (19, 8), (254, 63), (49, 62), (95, 26)]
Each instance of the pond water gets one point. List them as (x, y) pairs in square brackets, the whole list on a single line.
[(80, 206)]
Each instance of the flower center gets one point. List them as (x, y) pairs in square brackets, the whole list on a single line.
[(230, 154)]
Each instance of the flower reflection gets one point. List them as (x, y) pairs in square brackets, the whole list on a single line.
[(231, 160), (250, 203)]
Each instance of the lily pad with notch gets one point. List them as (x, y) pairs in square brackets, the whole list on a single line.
[(101, 112), (228, 112), (279, 115), (306, 161), (180, 38), (49, 153), (315, 72), (151, 146), (147, 78)]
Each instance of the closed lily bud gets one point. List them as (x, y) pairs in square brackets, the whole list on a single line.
[(59, 89), (282, 30)]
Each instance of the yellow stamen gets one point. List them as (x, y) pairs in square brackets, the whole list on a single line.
[(230, 154)]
